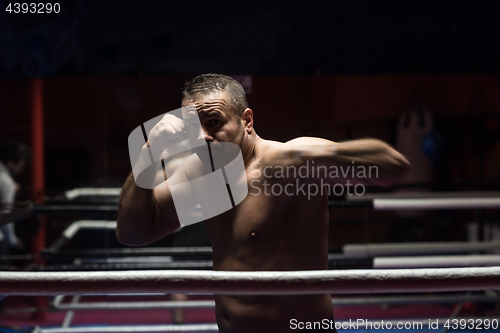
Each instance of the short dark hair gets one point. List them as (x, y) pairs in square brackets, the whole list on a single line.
[(208, 83), (14, 151)]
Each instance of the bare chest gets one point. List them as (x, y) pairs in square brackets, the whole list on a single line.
[(264, 225), (254, 220)]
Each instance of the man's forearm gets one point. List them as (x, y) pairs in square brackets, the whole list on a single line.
[(388, 165), (136, 213)]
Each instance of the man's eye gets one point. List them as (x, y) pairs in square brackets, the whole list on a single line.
[(214, 122)]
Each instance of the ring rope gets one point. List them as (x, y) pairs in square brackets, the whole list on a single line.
[(251, 283), (435, 203)]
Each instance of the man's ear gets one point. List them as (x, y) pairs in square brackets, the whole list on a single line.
[(247, 120)]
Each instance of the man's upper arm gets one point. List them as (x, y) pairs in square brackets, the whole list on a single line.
[(297, 151), (312, 153)]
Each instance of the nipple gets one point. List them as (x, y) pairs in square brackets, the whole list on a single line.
[(253, 234)]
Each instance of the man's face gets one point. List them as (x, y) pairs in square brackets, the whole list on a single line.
[(216, 116), (219, 125)]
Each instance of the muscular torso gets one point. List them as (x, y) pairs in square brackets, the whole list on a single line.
[(270, 233)]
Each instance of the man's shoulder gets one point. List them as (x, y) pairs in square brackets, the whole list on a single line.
[(270, 148), (274, 147), (279, 152), (307, 141)]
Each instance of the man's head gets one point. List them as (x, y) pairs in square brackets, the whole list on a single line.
[(14, 155), (220, 104), (207, 84)]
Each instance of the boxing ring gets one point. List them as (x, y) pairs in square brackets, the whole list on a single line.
[(461, 271)]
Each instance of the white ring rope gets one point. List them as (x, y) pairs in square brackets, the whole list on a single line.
[(437, 261), (435, 203), (401, 249), (136, 328), (251, 283), (92, 191)]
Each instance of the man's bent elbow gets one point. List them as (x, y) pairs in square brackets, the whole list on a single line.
[(129, 237), (126, 238), (120, 236)]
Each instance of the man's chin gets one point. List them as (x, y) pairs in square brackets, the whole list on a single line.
[(204, 156), (219, 155)]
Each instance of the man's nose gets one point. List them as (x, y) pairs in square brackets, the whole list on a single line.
[(204, 136)]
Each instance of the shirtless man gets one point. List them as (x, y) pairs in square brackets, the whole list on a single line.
[(265, 232)]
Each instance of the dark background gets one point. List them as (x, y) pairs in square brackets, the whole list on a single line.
[(116, 38), (334, 69)]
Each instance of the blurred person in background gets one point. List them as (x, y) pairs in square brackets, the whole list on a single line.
[(13, 157)]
